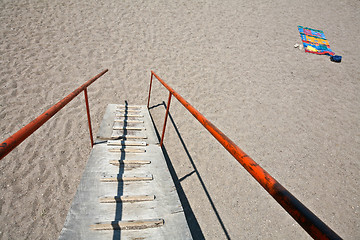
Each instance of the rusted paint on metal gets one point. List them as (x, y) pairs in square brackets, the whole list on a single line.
[(9, 144), (88, 116), (150, 90), (316, 228), (166, 117)]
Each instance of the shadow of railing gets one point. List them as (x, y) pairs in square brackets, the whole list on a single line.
[(313, 225), (120, 187), (189, 214)]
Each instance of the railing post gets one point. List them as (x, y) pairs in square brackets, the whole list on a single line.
[(88, 116), (14, 140), (148, 104), (166, 116)]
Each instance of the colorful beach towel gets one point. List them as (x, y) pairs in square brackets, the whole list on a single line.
[(314, 41)]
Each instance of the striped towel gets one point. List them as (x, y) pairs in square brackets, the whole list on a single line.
[(314, 41)]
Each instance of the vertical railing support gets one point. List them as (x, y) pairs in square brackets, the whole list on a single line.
[(88, 116), (166, 116), (14, 140), (150, 90)]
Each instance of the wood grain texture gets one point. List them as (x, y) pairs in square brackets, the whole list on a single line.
[(137, 198), (128, 225)]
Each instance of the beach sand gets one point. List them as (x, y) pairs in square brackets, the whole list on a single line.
[(296, 114)]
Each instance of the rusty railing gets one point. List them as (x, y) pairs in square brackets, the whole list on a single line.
[(316, 228), (12, 142)]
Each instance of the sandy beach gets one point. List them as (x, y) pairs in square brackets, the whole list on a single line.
[(296, 114)]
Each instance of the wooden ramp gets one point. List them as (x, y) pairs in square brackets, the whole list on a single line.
[(126, 191)]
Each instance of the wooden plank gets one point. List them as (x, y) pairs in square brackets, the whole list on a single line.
[(128, 150), (127, 178), (128, 225), (128, 121), (125, 143), (127, 110), (117, 137), (128, 118), (129, 106), (123, 162), (127, 198), (129, 115), (129, 128), (114, 137)]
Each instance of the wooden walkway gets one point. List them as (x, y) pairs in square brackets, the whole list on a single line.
[(126, 191)]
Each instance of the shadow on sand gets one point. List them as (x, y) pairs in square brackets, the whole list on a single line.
[(194, 226)]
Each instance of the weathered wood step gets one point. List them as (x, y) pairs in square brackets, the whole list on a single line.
[(128, 128), (128, 225), (127, 118), (121, 178), (125, 132), (128, 110), (128, 150), (125, 143), (127, 198), (129, 115), (130, 162), (118, 136), (128, 107), (122, 120)]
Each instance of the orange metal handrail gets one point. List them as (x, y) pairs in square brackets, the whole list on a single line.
[(307, 220), (12, 142)]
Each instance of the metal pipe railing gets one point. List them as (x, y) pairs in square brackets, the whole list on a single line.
[(88, 116), (12, 142), (316, 228)]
